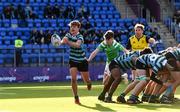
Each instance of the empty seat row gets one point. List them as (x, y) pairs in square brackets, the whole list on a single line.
[(55, 1)]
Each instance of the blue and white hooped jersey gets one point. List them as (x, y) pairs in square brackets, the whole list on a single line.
[(125, 60), (176, 53), (154, 61)]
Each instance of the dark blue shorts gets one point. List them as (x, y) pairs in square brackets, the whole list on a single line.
[(140, 65), (81, 66)]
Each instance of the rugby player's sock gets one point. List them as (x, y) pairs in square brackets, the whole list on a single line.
[(103, 93), (77, 100), (158, 95), (133, 97), (123, 94), (153, 96), (171, 96), (168, 91), (145, 95), (76, 97), (110, 95)]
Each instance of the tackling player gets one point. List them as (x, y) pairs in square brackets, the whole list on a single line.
[(111, 48)]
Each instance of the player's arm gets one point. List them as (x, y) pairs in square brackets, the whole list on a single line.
[(64, 40), (93, 54), (122, 48), (169, 67), (76, 44), (125, 50), (154, 73), (178, 63)]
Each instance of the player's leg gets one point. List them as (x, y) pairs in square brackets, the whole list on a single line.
[(106, 89), (163, 88), (133, 72), (147, 92), (149, 87), (114, 80), (106, 74), (73, 72), (106, 82), (163, 75), (105, 78), (86, 79), (130, 87), (168, 96), (116, 74), (121, 97), (83, 69), (139, 87), (176, 75)]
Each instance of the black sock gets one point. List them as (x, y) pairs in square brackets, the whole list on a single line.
[(133, 97), (76, 97), (123, 94)]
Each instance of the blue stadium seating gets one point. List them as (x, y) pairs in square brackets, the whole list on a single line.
[(104, 16), (44, 48), (26, 59), (27, 48), (36, 48), (34, 58), (2, 59), (9, 58)]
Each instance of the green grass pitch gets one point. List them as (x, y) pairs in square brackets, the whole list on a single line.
[(57, 97)]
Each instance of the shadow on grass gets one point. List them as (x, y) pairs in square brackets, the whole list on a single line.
[(152, 106), (98, 107)]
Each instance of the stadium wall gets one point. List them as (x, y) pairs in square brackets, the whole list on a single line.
[(45, 74)]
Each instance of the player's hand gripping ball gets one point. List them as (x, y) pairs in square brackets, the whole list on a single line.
[(64, 40), (55, 40)]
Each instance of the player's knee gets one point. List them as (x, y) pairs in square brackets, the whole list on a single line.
[(73, 81), (142, 78)]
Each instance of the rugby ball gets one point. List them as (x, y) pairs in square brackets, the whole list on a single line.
[(55, 40)]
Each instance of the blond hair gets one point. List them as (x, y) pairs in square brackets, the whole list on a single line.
[(75, 22), (139, 26)]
